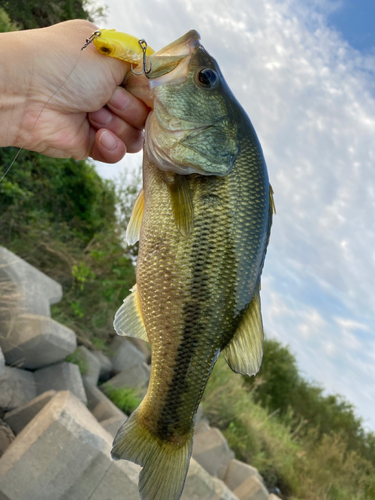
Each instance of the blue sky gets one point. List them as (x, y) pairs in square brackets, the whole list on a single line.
[(304, 72), (356, 21)]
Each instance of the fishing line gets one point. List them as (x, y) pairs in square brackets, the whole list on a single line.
[(41, 111)]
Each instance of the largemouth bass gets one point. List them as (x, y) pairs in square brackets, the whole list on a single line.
[(203, 220)]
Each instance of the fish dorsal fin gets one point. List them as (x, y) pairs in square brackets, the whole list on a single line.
[(128, 319), (244, 352), (182, 204), (134, 227)]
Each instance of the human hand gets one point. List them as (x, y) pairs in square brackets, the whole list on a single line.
[(89, 114)]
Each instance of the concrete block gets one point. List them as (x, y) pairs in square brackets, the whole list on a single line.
[(100, 406), (124, 355), (135, 377), (199, 484), (105, 365), (64, 454), (212, 452), (222, 492), (17, 387), (60, 377), (252, 489), (2, 363), (203, 426), (36, 291), (18, 419), (6, 436), (91, 365), (37, 341), (238, 472), (113, 424)]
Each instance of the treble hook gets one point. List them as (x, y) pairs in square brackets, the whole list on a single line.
[(92, 38), (143, 45)]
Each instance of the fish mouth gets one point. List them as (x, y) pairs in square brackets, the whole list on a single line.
[(171, 58)]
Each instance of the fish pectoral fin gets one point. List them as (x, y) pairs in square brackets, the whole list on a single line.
[(245, 351), (182, 204), (134, 227), (165, 464), (128, 319)]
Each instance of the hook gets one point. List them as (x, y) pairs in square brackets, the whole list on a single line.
[(143, 45), (92, 38)]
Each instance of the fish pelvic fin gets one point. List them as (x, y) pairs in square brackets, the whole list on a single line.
[(165, 464), (133, 230), (245, 351), (128, 319)]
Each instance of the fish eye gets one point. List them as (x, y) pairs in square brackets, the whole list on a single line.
[(208, 77), (105, 50)]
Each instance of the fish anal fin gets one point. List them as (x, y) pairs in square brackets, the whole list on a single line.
[(182, 204), (245, 351), (165, 464), (134, 227), (128, 319)]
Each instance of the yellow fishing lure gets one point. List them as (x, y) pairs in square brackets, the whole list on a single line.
[(119, 45)]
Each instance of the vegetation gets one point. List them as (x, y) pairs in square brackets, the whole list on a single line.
[(78, 359), (60, 216), (124, 398), (301, 464)]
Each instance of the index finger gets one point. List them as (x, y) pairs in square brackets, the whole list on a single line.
[(129, 108)]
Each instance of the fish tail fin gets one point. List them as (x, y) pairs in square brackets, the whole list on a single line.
[(165, 464)]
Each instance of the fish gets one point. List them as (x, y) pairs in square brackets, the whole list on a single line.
[(203, 220)]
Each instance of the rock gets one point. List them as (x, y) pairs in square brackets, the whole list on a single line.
[(142, 346), (252, 489), (64, 454), (274, 497), (36, 291), (212, 452), (113, 424), (17, 387), (17, 419), (135, 377), (91, 365), (203, 426), (200, 415), (61, 377), (238, 472), (105, 365), (125, 355), (6, 436), (222, 492), (2, 363), (199, 484), (100, 406), (37, 341)]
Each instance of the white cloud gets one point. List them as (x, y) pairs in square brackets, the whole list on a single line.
[(311, 99)]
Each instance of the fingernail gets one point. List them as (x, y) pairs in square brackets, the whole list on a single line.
[(103, 116), (108, 141), (119, 99)]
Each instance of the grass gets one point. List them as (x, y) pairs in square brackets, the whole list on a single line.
[(123, 397), (303, 468), (78, 359)]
